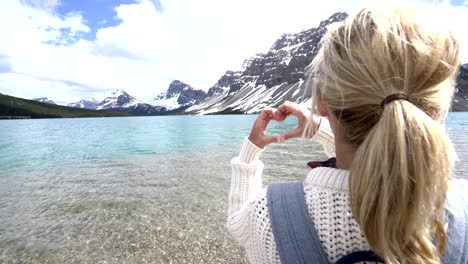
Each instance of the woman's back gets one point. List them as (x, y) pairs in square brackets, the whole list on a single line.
[(327, 199), (385, 82)]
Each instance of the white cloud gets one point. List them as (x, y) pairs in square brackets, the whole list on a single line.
[(37, 88), (42, 4), (193, 41), (144, 31)]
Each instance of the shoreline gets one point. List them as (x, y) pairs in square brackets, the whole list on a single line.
[(15, 117)]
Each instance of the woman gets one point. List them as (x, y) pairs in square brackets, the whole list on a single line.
[(383, 84)]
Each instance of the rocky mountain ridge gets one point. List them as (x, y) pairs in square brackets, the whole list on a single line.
[(44, 100), (121, 101), (268, 79), (92, 104), (118, 99), (178, 95), (460, 99)]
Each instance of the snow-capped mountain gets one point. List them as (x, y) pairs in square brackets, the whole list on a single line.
[(178, 95), (268, 79), (44, 100), (87, 104), (230, 78), (120, 101)]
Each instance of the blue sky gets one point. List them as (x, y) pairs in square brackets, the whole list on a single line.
[(72, 49), (97, 14)]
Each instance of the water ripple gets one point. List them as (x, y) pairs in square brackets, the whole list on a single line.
[(135, 190)]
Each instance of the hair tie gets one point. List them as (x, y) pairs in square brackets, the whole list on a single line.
[(393, 97)]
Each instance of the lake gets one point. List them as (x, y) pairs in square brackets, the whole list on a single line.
[(136, 189)]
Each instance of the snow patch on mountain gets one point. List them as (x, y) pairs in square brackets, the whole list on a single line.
[(119, 99), (86, 104), (178, 95), (168, 102), (268, 79), (44, 100)]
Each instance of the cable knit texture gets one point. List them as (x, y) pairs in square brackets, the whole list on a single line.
[(326, 195)]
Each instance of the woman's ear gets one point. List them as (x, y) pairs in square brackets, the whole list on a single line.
[(322, 108)]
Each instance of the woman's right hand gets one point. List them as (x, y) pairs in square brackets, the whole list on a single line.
[(303, 115)]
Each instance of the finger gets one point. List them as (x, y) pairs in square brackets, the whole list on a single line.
[(269, 112), (266, 113), (290, 107), (294, 109), (263, 118), (291, 134), (282, 113), (272, 114), (257, 134)]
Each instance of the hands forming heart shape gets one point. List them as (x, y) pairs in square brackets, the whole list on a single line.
[(258, 134)]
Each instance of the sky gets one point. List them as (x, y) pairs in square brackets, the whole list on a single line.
[(69, 50)]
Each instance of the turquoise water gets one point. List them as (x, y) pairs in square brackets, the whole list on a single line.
[(136, 190), (52, 143), (457, 124)]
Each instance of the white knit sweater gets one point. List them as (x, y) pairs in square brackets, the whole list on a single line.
[(326, 195)]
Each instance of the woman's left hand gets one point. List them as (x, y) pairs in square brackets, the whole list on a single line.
[(258, 134)]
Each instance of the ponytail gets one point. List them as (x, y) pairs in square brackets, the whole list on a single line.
[(398, 183)]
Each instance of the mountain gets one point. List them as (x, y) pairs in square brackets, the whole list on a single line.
[(14, 107), (268, 79), (86, 104), (178, 95), (44, 100), (460, 99), (120, 101)]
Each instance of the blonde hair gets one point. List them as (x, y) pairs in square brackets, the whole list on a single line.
[(399, 175)]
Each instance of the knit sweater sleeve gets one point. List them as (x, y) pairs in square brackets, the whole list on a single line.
[(246, 182)]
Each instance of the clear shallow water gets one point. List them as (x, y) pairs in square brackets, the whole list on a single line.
[(135, 190)]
